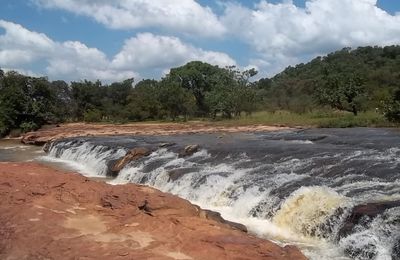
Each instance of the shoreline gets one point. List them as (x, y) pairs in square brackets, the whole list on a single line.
[(55, 214), (52, 133)]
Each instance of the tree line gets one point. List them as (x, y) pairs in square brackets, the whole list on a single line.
[(366, 78), (352, 80), (196, 89)]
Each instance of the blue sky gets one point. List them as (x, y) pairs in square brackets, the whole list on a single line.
[(113, 40)]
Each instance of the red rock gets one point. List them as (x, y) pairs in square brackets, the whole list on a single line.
[(52, 133), (77, 218), (130, 156)]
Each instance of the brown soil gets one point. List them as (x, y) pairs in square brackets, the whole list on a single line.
[(81, 129), (48, 214)]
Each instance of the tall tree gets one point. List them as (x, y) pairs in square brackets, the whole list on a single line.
[(197, 77), (341, 92), (392, 107)]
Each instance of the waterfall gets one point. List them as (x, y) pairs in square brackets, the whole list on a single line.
[(304, 201)]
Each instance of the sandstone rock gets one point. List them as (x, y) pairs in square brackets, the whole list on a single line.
[(130, 156), (189, 150), (51, 133), (212, 215), (77, 218), (33, 139)]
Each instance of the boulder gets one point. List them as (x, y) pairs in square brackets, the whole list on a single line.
[(130, 156), (33, 139), (47, 146), (189, 150), (365, 212), (176, 174)]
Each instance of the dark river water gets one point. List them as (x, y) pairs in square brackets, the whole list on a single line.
[(293, 187)]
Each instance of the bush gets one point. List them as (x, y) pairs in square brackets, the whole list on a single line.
[(28, 126), (392, 108), (93, 115)]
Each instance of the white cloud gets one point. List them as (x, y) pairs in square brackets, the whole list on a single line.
[(147, 50), (278, 35), (69, 60), (182, 16), (283, 34), (72, 60)]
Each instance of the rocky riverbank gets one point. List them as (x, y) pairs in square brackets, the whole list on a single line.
[(47, 214), (81, 129)]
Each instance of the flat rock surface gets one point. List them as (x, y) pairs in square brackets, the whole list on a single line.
[(48, 214), (81, 129)]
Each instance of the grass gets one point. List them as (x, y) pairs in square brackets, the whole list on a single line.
[(318, 118), (312, 119)]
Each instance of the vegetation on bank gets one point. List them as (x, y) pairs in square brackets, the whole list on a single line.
[(316, 118), (347, 88)]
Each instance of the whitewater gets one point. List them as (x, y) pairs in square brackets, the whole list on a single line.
[(292, 187)]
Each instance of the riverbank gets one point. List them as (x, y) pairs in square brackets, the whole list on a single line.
[(50, 214), (52, 133), (313, 119)]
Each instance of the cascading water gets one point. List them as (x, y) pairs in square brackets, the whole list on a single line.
[(290, 187)]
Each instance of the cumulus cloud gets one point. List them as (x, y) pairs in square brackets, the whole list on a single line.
[(68, 60), (183, 16), (147, 50), (72, 60), (283, 34)]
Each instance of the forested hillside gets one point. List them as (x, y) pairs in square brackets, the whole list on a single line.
[(351, 81)]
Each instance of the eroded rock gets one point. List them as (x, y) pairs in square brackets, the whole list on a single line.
[(33, 139), (212, 215), (365, 213), (189, 150), (76, 218), (130, 156)]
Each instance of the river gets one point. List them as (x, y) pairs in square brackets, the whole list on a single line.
[(292, 187)]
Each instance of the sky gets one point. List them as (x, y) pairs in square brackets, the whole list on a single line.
[(114, 40)]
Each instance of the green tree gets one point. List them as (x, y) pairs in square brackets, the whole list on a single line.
[(144, 103), (199, 78), (176, 101), (392, 108), (87, 95), (341, 92), (25, 102), (64, 103)]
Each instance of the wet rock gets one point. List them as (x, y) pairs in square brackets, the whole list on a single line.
[(47, 146), (363, 214), (212, 215), (189, 150), (366, 252), (33, 139), (165, 145), (176, 174), (132, 155)]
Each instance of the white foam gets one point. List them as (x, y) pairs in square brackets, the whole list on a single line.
[(91, 158), (301, 141), (235, 192)]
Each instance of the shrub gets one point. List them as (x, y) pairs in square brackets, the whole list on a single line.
[(92, 115)]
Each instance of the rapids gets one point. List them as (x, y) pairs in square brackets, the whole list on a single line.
[(294, 187)]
